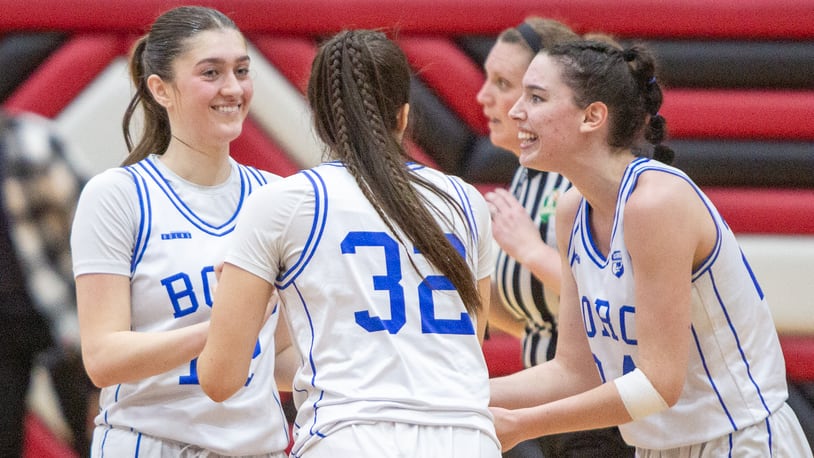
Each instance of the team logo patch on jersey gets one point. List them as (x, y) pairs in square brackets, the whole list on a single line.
[(176, 235), (617, 266)]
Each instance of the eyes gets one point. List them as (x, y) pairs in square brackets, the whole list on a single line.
[(242, 72), (532, 97), (502, 84)]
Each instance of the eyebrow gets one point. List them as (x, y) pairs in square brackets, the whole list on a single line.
[(218, 60)]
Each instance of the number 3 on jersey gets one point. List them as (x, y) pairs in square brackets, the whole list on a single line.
[(391, 282)]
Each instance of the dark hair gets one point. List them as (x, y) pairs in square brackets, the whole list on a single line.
[(625, 81), (154, 53), (549, 32), (359, 82)]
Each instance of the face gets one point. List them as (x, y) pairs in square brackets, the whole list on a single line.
[(548, 119), (504, 68), (212, 89)]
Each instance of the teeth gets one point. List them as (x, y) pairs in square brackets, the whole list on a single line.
[(526, 136), (228, 109)]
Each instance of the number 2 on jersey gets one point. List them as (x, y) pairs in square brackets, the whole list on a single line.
[(391, 282)]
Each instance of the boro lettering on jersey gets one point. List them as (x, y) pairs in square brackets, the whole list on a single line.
[(602, 320), (391, 282), (185, 300), (597, 316), (182, 295)]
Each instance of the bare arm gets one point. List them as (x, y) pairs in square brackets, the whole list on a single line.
[(112, 353), (238, 313), (484, 287), (572, 370), (519, 237), (664, 220), (501, 318), (287, 358)]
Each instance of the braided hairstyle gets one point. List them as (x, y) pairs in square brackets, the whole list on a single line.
[(360, 80), (154, 54), (625, 81)]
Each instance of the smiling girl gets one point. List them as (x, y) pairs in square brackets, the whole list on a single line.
[(146, 239), (664, 329)]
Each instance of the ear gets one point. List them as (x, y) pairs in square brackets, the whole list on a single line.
[(401, 119), (595, 116), (159, 89)]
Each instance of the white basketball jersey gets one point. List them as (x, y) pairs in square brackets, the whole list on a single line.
[(379, 341), (736, 373), (181, 231)]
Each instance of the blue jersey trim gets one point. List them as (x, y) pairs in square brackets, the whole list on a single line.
[(145, 218), (711, 381), (740, 347), (150, 169), (317, 229)]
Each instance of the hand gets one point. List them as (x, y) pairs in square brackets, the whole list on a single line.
[(508, 430), (512, 227)]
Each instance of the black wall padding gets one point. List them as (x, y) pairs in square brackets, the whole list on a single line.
[(713, 64), (476, 47), (746, 163), (21, 54), (487, 163), (738, 64), (437, 130)]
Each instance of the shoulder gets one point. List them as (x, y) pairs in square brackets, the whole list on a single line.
[(110, 184), (444, 180), (283, 192), (567, 204), (666, 213), (261, 175), (661, 194)]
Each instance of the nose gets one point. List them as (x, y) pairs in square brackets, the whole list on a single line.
[(518, 112), (232, 85), (483, 97)]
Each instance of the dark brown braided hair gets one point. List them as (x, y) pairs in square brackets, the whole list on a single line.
[(625, 81), (360, 80)]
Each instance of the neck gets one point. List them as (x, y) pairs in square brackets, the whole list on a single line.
[(188, 145), (599, 180), (196, 165)]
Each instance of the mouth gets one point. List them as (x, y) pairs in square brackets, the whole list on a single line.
[(490, 119), (527, 139), (227, 109)]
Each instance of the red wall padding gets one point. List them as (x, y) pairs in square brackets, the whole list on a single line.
[(291, 56), (798, 351), (66, 73), (452, 74), (744, 114), (766, 211), (788, 19), (255, 148)]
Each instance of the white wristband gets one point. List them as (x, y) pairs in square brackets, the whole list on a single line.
[(639, 396)]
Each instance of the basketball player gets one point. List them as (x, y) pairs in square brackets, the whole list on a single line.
[(146, 239), (664, 329), (526, 283), (382, 267)]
